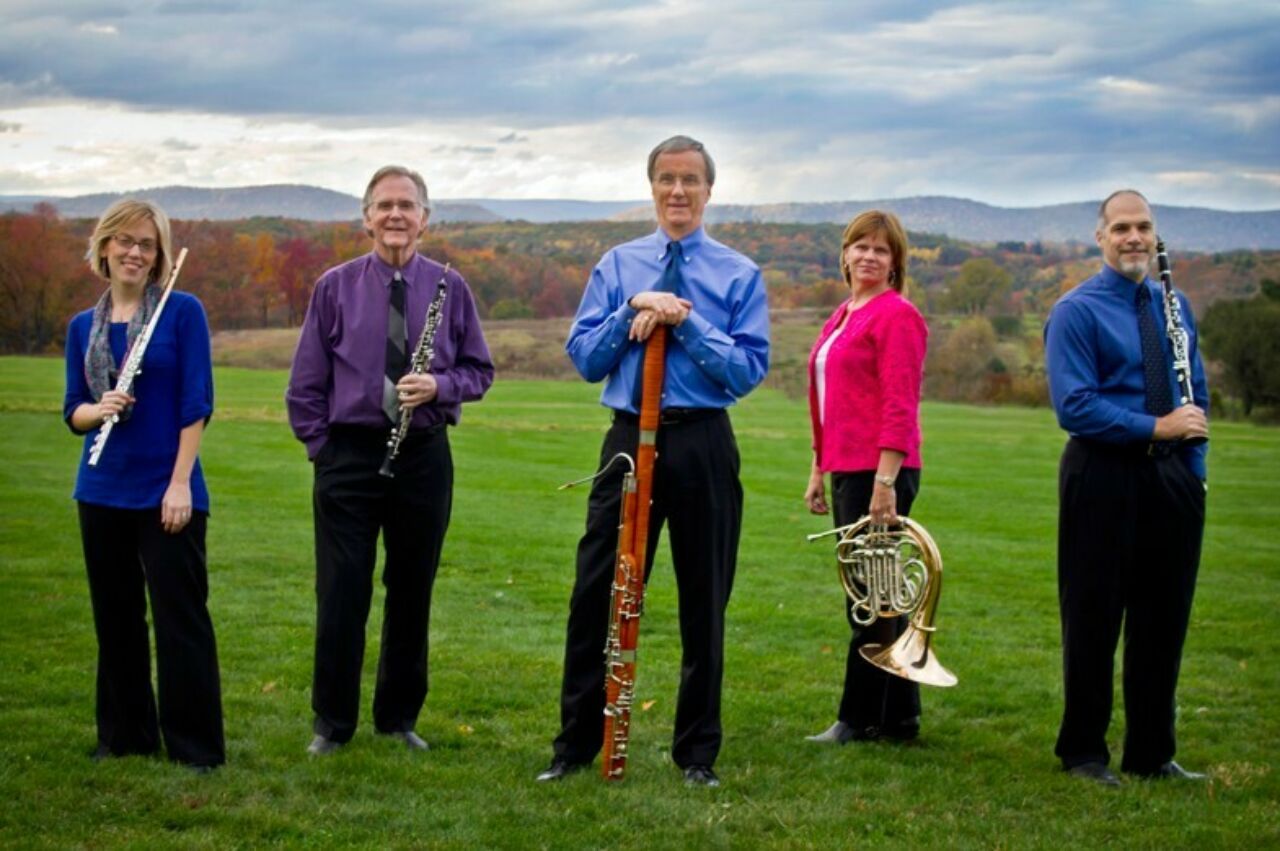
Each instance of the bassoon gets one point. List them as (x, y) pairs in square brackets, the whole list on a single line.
[(629, 568), (1176, 331), (132, 367), (626, 603)]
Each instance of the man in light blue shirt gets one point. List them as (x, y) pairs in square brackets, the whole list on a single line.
[(714, 300), (1132, 499)]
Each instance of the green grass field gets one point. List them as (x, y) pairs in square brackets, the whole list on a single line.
[(982, 775)]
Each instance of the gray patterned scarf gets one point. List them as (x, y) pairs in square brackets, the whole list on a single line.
[(99, 366)]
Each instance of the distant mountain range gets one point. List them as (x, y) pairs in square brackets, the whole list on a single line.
[(1184, 228)]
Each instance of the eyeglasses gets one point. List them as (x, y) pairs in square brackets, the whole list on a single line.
[(403, 206), (146, 246)]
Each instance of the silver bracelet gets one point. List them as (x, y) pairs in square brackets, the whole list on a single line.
[(887, 481)]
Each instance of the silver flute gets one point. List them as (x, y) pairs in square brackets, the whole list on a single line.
[(133, 362), (421, 362)]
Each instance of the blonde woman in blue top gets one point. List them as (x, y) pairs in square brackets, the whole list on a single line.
[(144, 507)]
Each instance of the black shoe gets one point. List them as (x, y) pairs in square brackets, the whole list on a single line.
[(1169, 771), (1095, 771), (701, 775), (202, 769), (322, 746), (100, 753), (411, 740), (903, 731), (559, 769)]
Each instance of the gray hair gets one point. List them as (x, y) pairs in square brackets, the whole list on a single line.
[(1102, 208), (394, 171), (678, 145)]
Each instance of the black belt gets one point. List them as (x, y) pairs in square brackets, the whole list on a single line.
[(1152, 449), (671, 416), (369, 433)]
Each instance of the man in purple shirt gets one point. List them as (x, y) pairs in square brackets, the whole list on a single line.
[(362, 315)]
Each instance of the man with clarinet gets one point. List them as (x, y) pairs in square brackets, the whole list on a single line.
[(709, 302), (1128, 385), (372, 410)]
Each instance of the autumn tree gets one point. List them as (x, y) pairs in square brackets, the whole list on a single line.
[(1245, 337), (43, 280), (979, 285)]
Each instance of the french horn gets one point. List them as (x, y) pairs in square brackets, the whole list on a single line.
[(890, 572)]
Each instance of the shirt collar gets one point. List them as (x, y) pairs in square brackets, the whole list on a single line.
[(385, 271), (688, 245), (1118, 283)]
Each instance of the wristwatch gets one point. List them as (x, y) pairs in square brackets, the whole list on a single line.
[(887, 481)]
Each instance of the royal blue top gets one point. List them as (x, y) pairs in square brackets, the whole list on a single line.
[(340, 363), (173, 389), (718, 354), (1093, 357)]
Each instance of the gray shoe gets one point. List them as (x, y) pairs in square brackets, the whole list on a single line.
[(411, 740), (1095, 772), (321, 746), (837, 734)]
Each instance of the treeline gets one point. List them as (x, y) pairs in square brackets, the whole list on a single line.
[(985, 302)]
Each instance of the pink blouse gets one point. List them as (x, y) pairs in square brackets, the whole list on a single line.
[(874, 372)]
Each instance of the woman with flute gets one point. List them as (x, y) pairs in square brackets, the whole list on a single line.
[(865, 374), (142, 500)]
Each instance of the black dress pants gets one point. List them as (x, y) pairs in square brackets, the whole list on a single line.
[(352, 503), (698, 495), (872, 697), (1129, 535), (128, 554)]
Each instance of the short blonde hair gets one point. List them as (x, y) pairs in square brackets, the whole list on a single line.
[(886, 224), (120, 215)]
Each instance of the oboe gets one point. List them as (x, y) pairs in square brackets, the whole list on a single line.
[(133, 362), (421, 362), (1177, 334)]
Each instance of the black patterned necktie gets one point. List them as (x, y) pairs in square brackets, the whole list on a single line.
[(397, 349), (1155, 367)]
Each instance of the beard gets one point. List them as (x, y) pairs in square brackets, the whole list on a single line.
[(1135, 269)]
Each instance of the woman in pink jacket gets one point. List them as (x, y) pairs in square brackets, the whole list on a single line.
[(865, 373)]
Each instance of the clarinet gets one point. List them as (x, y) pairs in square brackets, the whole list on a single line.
[(133, 362), (1177, 334), (421, 362)]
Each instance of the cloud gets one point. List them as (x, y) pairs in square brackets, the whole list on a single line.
[(810, 100)]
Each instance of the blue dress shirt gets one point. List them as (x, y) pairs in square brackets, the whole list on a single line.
[(174, 389), (716, 356), (1093, 357)]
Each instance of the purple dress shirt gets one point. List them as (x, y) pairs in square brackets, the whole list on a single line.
[(338, 367)]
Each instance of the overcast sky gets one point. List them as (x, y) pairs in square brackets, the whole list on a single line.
[(1011, 103)]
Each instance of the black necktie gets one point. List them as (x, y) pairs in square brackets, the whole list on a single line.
[(397, 349), (1155, 368)]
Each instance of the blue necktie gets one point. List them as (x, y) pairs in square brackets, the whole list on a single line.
[(669, 283), (1155, 367), (671, 279)]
